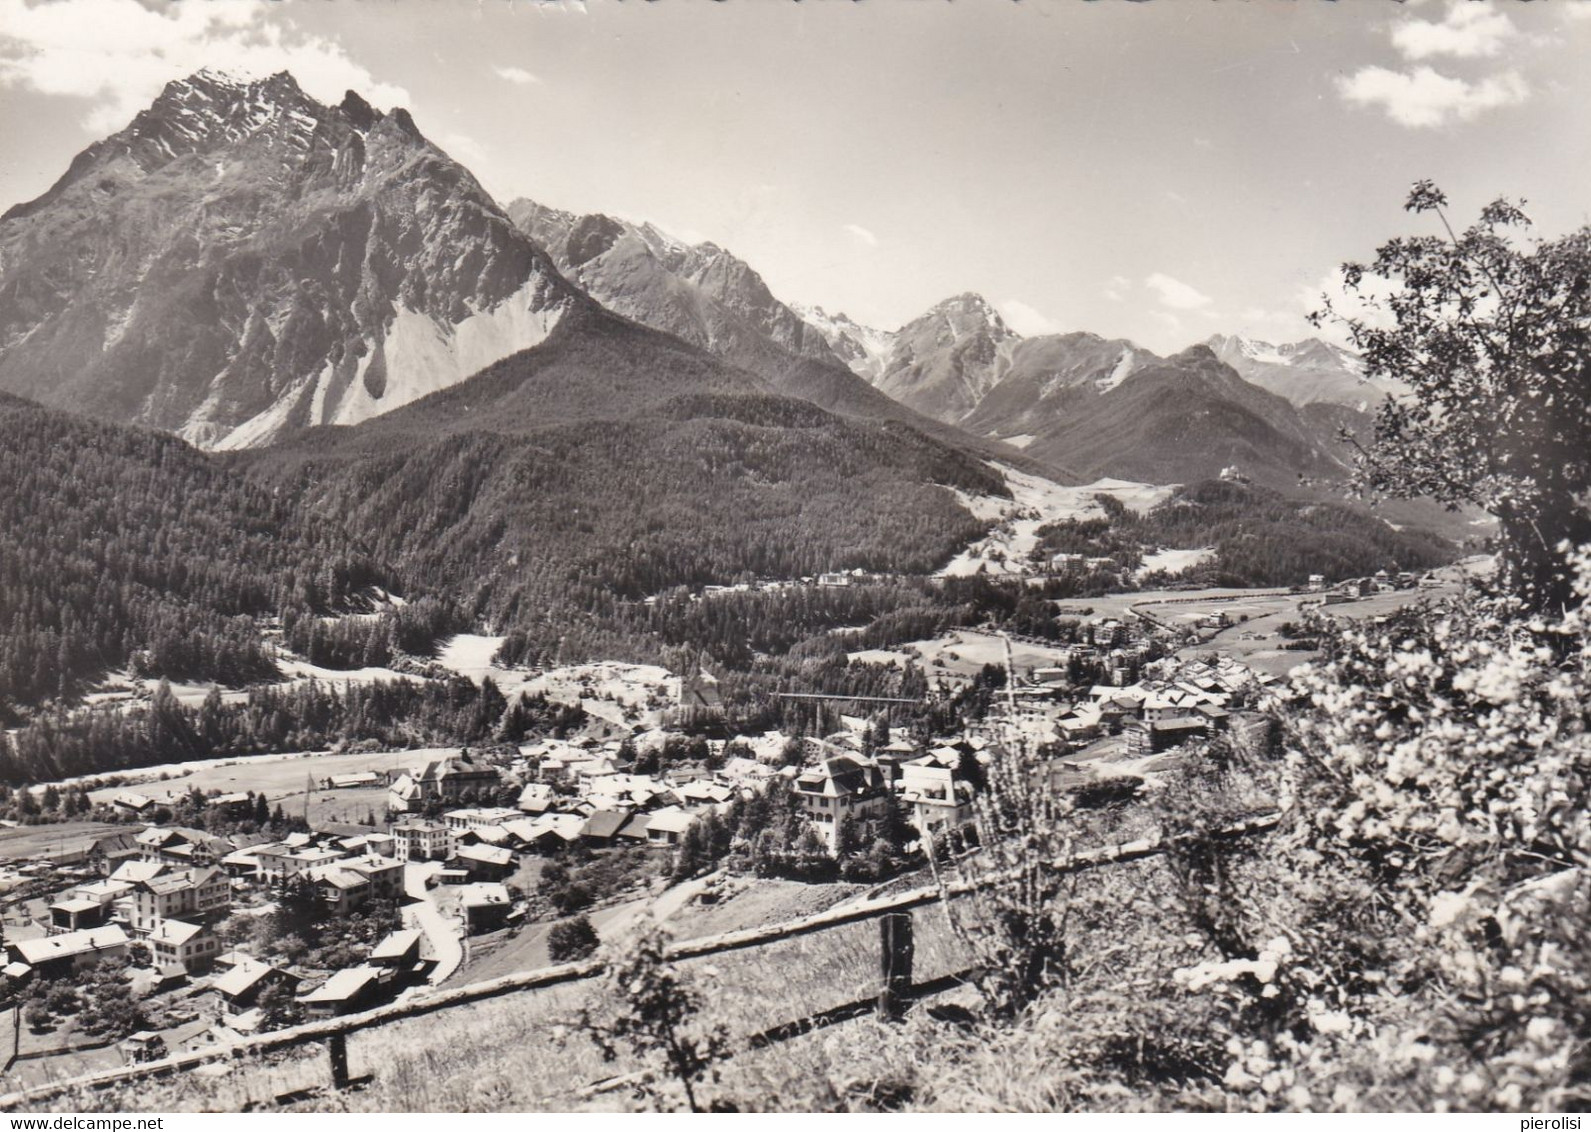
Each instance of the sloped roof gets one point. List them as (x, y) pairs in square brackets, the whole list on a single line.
[(175, 932), (244, 976), (396, 944), (486, 854), (670, 820), (484, 895), (36, 951), (344, 985), (134, 872), (606, 823)]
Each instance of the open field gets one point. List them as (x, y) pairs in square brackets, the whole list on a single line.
[(961, 655), (1258, 641), (32, 840), (1034, 503), (278, 776)]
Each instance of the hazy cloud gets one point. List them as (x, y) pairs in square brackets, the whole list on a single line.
[(1467, 31), (1116, 288), (1027, 321), (1176, 294), (1423, 97), (118, 54), (517, 75), (862, 234)]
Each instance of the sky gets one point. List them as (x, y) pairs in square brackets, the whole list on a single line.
[(1157, 171)]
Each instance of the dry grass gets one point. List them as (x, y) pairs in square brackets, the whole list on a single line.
[(506, 1054)]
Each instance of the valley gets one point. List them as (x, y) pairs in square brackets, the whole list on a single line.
[(420, 605)]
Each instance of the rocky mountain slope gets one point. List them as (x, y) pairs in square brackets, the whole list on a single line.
[(241, 261), (698, 292), (1104, 406), (1306, 373)]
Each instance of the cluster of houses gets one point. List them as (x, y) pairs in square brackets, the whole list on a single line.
[(1173, 702), (1381, 582), (168, 886)]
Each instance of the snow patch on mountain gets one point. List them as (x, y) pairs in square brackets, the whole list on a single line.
[(1123, 367), (865, 349)]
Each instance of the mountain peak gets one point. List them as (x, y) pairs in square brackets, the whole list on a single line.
[(248, 329)]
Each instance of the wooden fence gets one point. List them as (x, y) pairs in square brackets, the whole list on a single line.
[(897, 988)]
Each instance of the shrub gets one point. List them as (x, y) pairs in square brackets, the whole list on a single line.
[(571, 939)]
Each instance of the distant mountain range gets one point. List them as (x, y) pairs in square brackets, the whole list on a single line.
[(539, 413), (1110, 407), (1306, 373)]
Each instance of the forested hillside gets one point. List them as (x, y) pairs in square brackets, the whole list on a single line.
[(1260, 538), (614, 462), (125, 547)]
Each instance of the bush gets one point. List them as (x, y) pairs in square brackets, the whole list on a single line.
[(571, 940)]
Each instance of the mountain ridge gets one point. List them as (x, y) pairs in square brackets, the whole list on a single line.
[(242, 260)]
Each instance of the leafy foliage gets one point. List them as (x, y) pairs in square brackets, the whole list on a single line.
[(650, 1008), (572, 939), (1493, 339)]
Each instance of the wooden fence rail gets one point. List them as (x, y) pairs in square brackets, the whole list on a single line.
[(897, 987)]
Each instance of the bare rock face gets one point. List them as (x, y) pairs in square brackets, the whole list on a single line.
[(242, 261), (1306, 373), (698, 292), (943, 362)]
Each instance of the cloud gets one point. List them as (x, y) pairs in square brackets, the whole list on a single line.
[(1176, 294), (862, 234), (516, 75), (1423, 97), (1117, 287), (1467, 31), (1027, 321), (1578, 10), (118, 54)]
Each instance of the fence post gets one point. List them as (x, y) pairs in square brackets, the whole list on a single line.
[(895, 935), (337, 1046)]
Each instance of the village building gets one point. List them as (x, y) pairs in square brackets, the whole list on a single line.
[(187, 894), (173, 845), (478, 818), (456, 776), (349, 990), (77, 913), (840, 789), (240, 987), (1151, 737), (57, 955), (279, 864), (485, 862), (667, 826), (536, 798), (193, 947), (423, 840), (936, 801), (127, 802), (348, 885), (353, 780), (109, 853), (485, 906)]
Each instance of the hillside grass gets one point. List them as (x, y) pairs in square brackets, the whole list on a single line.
[(517, 1053)]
